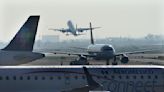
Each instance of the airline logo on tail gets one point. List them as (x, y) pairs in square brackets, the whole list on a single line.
[(24, 39)]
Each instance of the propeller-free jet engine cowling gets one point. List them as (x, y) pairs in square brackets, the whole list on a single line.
[(124, 59)]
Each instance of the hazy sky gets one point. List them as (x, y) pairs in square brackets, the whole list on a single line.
[(129, 18)]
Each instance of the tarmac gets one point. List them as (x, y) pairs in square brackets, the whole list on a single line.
[(134, 59)]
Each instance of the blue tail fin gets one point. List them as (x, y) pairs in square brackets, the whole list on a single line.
[(25, 38)]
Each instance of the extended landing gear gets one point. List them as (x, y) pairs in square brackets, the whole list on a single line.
[(114, 61), (107, 62), (80, 61)]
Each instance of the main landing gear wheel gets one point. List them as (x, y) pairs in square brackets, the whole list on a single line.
[(107, 62), (114, 61)]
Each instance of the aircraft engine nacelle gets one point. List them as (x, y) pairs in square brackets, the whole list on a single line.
[(124, 59), (80, 30)]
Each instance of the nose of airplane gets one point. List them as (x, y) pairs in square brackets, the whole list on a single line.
[(107, 48)]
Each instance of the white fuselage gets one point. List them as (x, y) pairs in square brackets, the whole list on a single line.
[(63, 78), (18, 57), (72, 28), (102, 51)]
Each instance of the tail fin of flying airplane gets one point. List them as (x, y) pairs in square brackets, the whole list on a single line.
[(25, 38), (71, 27), (92, 40)]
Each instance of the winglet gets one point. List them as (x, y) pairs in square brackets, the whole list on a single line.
[(25, 38)]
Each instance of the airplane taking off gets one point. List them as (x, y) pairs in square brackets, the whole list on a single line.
[(138, 78), (19, 50), (101, 52), (71, 29)]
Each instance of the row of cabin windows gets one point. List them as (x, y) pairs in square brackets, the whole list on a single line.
[(131, 77), (75, 77), (37, 78)]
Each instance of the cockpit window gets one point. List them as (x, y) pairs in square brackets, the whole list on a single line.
[(107, 48)]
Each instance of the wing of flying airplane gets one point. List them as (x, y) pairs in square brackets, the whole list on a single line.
[(61, 30), (85, 29)]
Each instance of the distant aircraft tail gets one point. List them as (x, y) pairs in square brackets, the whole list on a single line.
[(92, 39), (71, 27), (25, 38)]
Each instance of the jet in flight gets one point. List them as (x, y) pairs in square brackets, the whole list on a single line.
[(19, 50), (71, 29), (102, 52), (132, 78)]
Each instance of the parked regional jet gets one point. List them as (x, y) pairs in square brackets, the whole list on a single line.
[(140, 78), (71, 29), (101, 52), (19, 50)]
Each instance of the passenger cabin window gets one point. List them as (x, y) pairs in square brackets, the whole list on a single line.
[(21, 78), (14, 77), (127, 77), (7, 77), (59, 78), (76, 77), (1, 78), (28, 78), (43, 78), (142, 77), (36, 77), (112, 77), (120, 77), (149, 77), (156, 77), (134, 77), (51, 78)]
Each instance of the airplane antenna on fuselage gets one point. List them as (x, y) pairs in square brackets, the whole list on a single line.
[(92, 40)]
